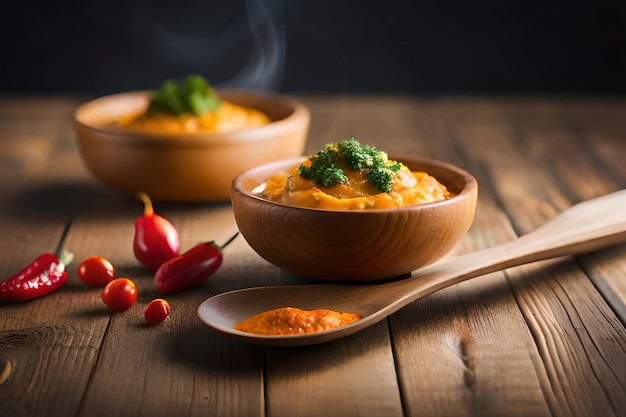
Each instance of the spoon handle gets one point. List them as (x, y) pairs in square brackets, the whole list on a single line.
[(584, 227)]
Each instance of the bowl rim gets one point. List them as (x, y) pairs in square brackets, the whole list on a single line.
[(299, 114), (469, 189)]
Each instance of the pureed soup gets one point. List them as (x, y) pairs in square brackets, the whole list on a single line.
[(229, 117), (351, 176), (192, 107)]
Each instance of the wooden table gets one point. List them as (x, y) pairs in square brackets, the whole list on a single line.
[(546, 339)]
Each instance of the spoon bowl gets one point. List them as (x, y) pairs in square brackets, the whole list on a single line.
[(584, 227)]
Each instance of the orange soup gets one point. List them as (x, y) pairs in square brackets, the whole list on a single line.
[(408, 188), (228, 118)]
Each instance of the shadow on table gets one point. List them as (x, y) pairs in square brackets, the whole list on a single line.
[(64, 201)]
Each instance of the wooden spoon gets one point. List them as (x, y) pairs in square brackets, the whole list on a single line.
[(584, 227)]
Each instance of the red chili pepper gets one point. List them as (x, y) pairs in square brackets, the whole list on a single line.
[(156, 239), (191, 268), (41, 277)]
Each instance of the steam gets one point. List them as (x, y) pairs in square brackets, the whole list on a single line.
[(264, 68), (230, 46)]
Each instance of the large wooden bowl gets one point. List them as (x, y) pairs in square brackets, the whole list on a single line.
[(354, 245), (185, 167)]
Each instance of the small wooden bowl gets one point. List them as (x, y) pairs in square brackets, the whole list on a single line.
[(185, 167), (354, 245)]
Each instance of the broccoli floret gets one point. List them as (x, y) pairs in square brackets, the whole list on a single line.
[(327, 166), (193, 95), (382, 177)]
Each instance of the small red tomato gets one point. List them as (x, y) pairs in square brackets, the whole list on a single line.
[(156, 311), (95, 270), (120, 294)]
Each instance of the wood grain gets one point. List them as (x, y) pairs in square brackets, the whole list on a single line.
[(534, 176), (50, 345), (546, 339)]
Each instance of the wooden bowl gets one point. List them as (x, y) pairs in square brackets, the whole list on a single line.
[(185, 167), (362, 245)]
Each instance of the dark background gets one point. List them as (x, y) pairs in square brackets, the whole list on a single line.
[(308, 46)]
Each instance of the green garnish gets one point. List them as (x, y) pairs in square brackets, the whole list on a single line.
[(193, 95), (328, 165)]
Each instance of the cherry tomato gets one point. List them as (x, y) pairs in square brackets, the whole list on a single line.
[(120, 294), (156, 311), (95, 270)]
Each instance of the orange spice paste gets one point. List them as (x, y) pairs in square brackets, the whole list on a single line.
[(228, 118), (294, 321), (408, 188)]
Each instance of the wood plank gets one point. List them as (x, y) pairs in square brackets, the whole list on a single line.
[(102, 224), (562, 137), (49, 345), (543, 339), (174, 368), (542, 188), (456, 348), (336, 378)]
